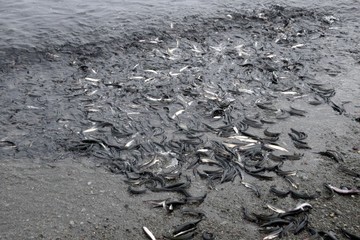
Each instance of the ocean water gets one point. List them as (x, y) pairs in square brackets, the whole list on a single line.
[(28, 24)]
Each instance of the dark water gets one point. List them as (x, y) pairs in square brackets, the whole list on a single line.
[(27, 24), (40, 23)]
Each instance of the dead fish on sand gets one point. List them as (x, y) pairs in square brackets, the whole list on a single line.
[(149, 233), (275, 147), (184, 231), (343, 190)]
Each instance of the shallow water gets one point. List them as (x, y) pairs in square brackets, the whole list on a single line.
[(38, 24)]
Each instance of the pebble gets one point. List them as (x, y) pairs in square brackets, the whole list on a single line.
[(72, 223), (338, 212)]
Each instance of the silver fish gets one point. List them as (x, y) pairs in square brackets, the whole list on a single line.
[(130, 143), (93, 129), (273, 235), (148, 233), (302, 206), (151, 71), (244, 139), (177, 113), (184, 68), (275, 147), (297, 45), (275, 209), (136, 77), (92, 79)]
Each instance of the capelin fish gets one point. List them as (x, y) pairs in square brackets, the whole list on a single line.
[(208, 236), (275, 157), (297, 112), (174, 74), (177, 113), (271, 134), (290, 93), (297, 46), (301, 225), (186, 226), (185, 236), (173, 203), (149, 233), (298, 135), (7, 144), (130, 143), (349, 171), (33, 107), (203, 150), (244, 139), (230, 145), (274, 234), (266, 106), (303, 207), (275, 209), (208, 160), (236, 130), (136, 65), (155, 41), (295, 156), (301, 144), (248, 216), (292, 182), (158, 203), (306, 196), (136, 77), (285, 173), (195, 49), (151, 71), (275, 222), (278, 192), (240, 50), (92, 93), (150, 163), (148, 80), (350, 235), (282, 114), (335, 155), (92, 110), (183, 69), (252, 122), (252, 187), (92, 79), (248, 91), (93, 129), (153, 99), (248, 146), (344, 190), (275, 147), (210, 95)]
